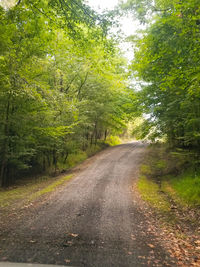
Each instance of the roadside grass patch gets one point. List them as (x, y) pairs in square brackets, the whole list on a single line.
[(171, 186), (51, 187), (184, 189), (150, 192), (19, 192), (30, 190), (169, 170), (79, 156)]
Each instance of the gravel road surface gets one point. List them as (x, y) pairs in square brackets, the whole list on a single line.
[(93, 220)]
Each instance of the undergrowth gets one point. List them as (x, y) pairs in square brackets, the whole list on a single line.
[(79, 156), (30, 188), (184, 188), (172, 174), (170, 183), (113, 140)]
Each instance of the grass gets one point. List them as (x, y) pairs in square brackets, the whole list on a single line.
[(30, 190), (33, 188), (185, 188), (11, 194), (79, 156), (150, 192), (51, 187), (74, 159), (163, 177)]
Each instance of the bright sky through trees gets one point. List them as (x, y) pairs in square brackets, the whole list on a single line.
[(128, 26), (102, 4)]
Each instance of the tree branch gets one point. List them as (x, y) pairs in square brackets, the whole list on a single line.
[(19, 1)]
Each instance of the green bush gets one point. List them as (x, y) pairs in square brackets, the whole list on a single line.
[(76, 158), (92, 150), (113, 140)]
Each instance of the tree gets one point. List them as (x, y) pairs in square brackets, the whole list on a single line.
[(62, 84), (166, 59)]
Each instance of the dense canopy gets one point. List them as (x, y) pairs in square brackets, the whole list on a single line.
[(63, 84), (167, 58)]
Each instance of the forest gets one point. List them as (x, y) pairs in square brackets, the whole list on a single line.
[(65, 85)]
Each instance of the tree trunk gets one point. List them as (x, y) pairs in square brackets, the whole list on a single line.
[(4, 164)]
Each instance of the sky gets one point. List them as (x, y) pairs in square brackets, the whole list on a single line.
[(128, 25), (100, 5)]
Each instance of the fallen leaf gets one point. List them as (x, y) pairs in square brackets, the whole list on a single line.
[(151, 245), (74, 235), (141, 257)]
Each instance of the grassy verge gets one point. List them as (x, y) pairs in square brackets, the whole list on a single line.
[(169, 188), (150, 192), (170, 174), (79, 156), (30, 190), (184, 188), (51, 187), (170, 184)]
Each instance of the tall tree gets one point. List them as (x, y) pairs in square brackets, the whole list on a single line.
[(167, 60), (62, 84)]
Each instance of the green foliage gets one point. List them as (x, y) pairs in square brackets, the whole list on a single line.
[(73, 159), (167, 64), (92, 150), (113, 140), (143, 9), (62, 86)]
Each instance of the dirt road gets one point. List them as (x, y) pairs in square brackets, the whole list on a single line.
[(92, 221)]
